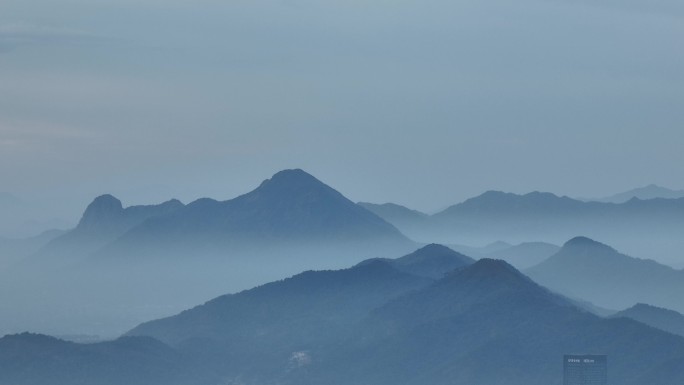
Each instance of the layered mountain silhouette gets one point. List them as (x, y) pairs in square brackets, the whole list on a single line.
[(663, 319), (152, 261), (651, 191), (590, 270), (291, 208), (641, 227), (489, 324), (484, 323)]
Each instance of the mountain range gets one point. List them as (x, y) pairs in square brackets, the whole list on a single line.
[(650, 227), (651, 191), (482, 323), (291, 208)]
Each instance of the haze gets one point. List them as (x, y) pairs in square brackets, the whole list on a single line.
[(423, 103)]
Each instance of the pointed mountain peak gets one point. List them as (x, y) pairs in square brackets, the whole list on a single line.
[(289, 177), (102, 208), (290, 183)]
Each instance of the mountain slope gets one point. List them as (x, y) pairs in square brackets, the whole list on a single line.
[(590, 270), (405, 219), (303, 307)]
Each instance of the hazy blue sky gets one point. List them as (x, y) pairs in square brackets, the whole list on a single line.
[(423, 103)]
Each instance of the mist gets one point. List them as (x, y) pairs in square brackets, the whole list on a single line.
[(341, 192)]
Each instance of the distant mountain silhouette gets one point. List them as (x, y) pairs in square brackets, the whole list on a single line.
[(593, 271), (641, 227), (431, 261), (497, 204), (403, 218), (651, 191), (393, 211), (663, 319), (292, 207), (103, 221)]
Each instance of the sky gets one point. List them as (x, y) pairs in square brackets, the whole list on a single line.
[(423, 103)]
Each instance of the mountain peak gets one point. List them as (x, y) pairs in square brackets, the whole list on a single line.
[(292, 173), (435, 248), (104, 207), (432, 261), (291, 176), (434, 251), (294, 183), (585, 243), (106, 200)]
